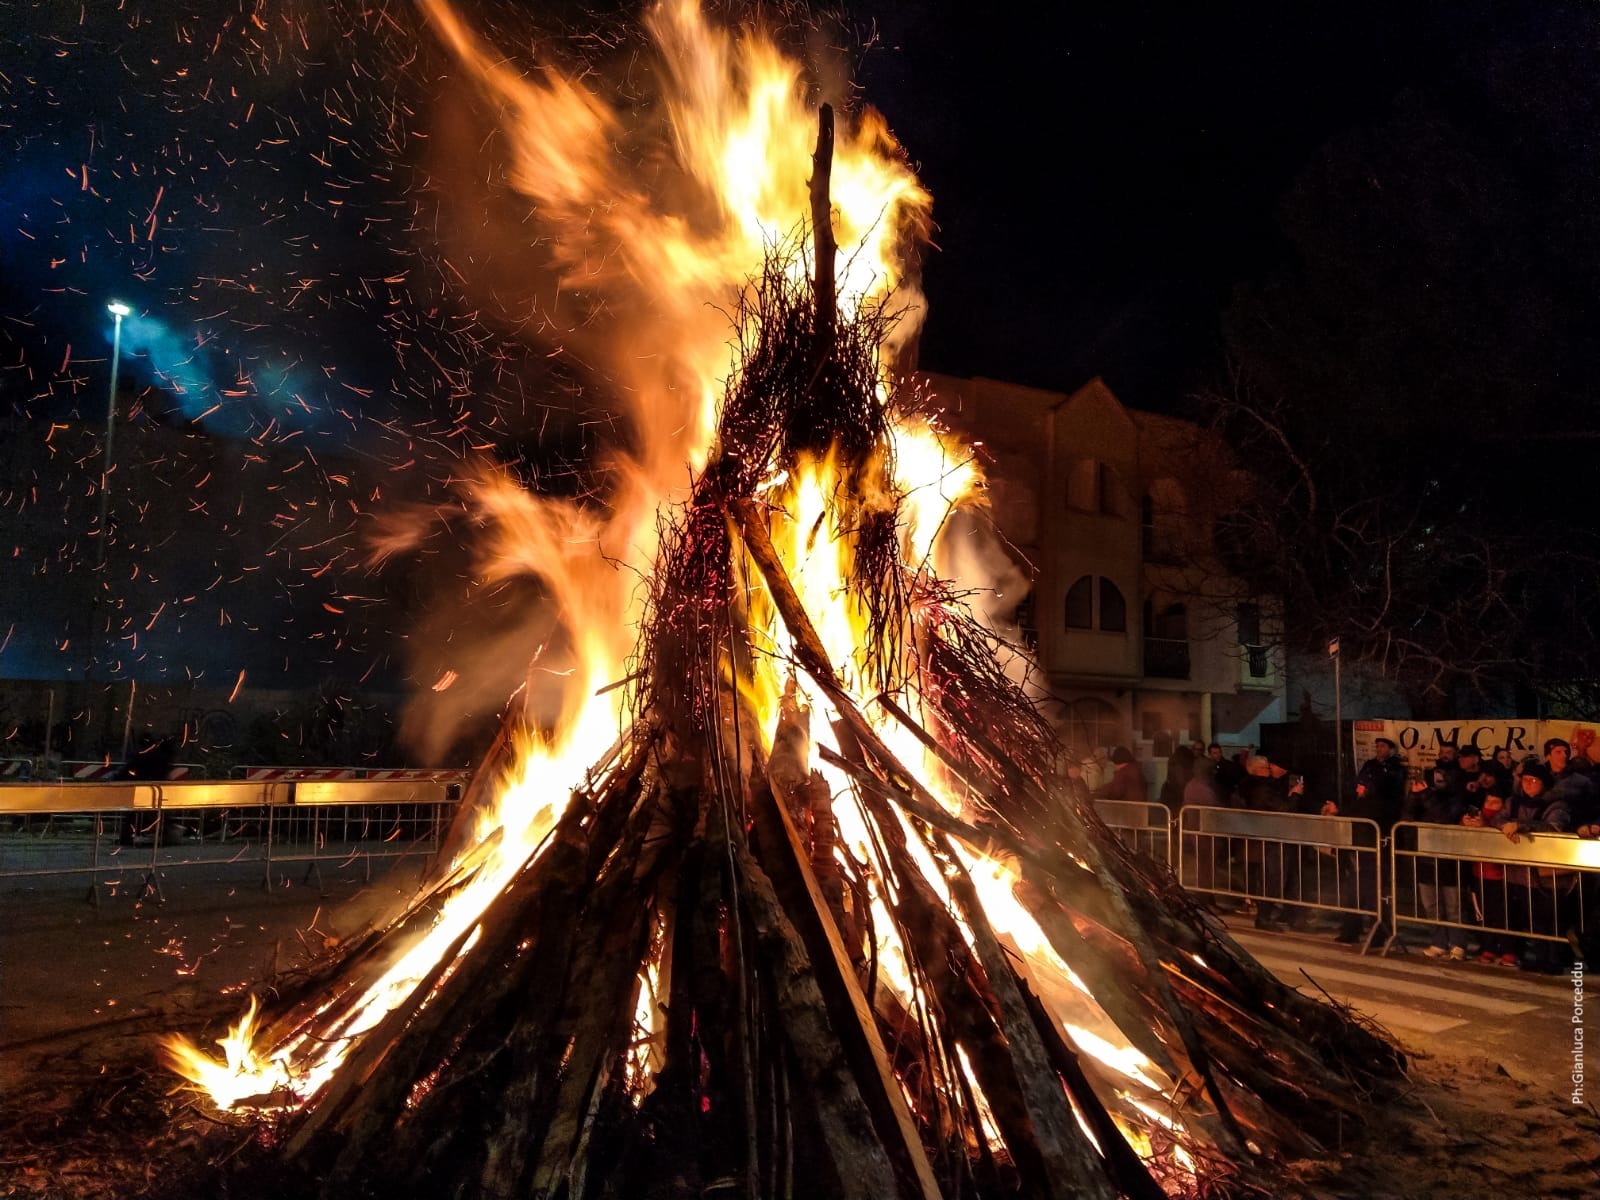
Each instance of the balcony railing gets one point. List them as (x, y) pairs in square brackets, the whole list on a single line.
[(1166, 658), (1257, 662), (1259, 669)]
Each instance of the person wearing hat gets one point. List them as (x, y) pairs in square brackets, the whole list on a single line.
[(1380, 787), (1127, 781), (1570, 783), (1473, 774), (1551, 898), (1536, 808)]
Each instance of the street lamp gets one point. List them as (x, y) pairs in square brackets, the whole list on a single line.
[(118, 310)]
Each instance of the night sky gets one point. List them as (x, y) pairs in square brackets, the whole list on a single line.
[(1143, 192), (1107, 175)]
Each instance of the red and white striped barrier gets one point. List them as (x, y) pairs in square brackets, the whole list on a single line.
[(16, 768), (417, 773), (94, 770), (88, 772), (267, 774)]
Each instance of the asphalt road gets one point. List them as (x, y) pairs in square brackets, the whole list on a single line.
[(1519, 1019), (67, 965)]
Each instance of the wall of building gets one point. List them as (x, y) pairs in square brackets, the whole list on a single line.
[(1086, 488)]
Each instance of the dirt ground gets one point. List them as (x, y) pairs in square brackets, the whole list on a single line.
[(88, 1112), (96, 1118)]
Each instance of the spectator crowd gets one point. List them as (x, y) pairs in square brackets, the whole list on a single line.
[(1479, 906)]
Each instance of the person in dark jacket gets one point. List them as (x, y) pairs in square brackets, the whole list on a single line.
[(1549, 900), (1469, 773), (1180, 769), (1437, 887), (1380, 788), (1538, 807), (1229, 775), (151, 762), (1127, 781), (1571, 783), (1494, 771)]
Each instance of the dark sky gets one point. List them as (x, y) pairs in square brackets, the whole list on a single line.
[(1407, 189), (1104, 174)]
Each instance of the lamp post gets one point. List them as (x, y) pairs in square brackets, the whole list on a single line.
[(1338, 722), (118, 310)]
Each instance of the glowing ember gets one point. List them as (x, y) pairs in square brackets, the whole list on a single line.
[(833, 679), (742, 123)]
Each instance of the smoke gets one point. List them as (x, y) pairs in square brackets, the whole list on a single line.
[(972, 553), (229, 389), (170, 360), (467, 661)]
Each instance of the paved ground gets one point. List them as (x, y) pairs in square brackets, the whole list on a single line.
[(67, 964), (220, 929), (85, 991), (1522, 1021)]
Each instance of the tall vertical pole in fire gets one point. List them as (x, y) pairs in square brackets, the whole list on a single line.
[(1338, 723)]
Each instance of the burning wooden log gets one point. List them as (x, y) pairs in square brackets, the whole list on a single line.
[(866, 951)]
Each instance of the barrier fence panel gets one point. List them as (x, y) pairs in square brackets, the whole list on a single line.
[(1471, 882), (390, 818), (106, 830), (1314, 862), (109, 830), (1144, 826)]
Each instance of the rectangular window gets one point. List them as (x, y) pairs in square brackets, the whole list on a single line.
[(1250, 624), (1113, 608), (1080, 603)]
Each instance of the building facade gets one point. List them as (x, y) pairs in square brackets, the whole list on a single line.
[(1142, 636)]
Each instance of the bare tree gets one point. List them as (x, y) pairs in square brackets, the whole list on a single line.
[(1403, 557)]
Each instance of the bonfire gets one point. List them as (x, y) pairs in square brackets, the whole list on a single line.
[(790, 903)]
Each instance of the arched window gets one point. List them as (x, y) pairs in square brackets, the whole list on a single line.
[(1113, 608), (1081, 601)]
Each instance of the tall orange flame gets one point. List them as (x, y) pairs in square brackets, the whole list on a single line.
[(742, 119)]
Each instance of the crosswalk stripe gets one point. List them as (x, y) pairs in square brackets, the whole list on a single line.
[(1397, 1019), (1463, 997), (1536, 987)]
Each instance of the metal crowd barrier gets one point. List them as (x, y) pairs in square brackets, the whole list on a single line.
[(1464, 879), (1326, 863), (1144, 826), (106, 831)]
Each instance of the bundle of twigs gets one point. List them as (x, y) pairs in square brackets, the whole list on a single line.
[(683, 992)]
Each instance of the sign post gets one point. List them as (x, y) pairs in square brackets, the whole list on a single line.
[(1338, 723)]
